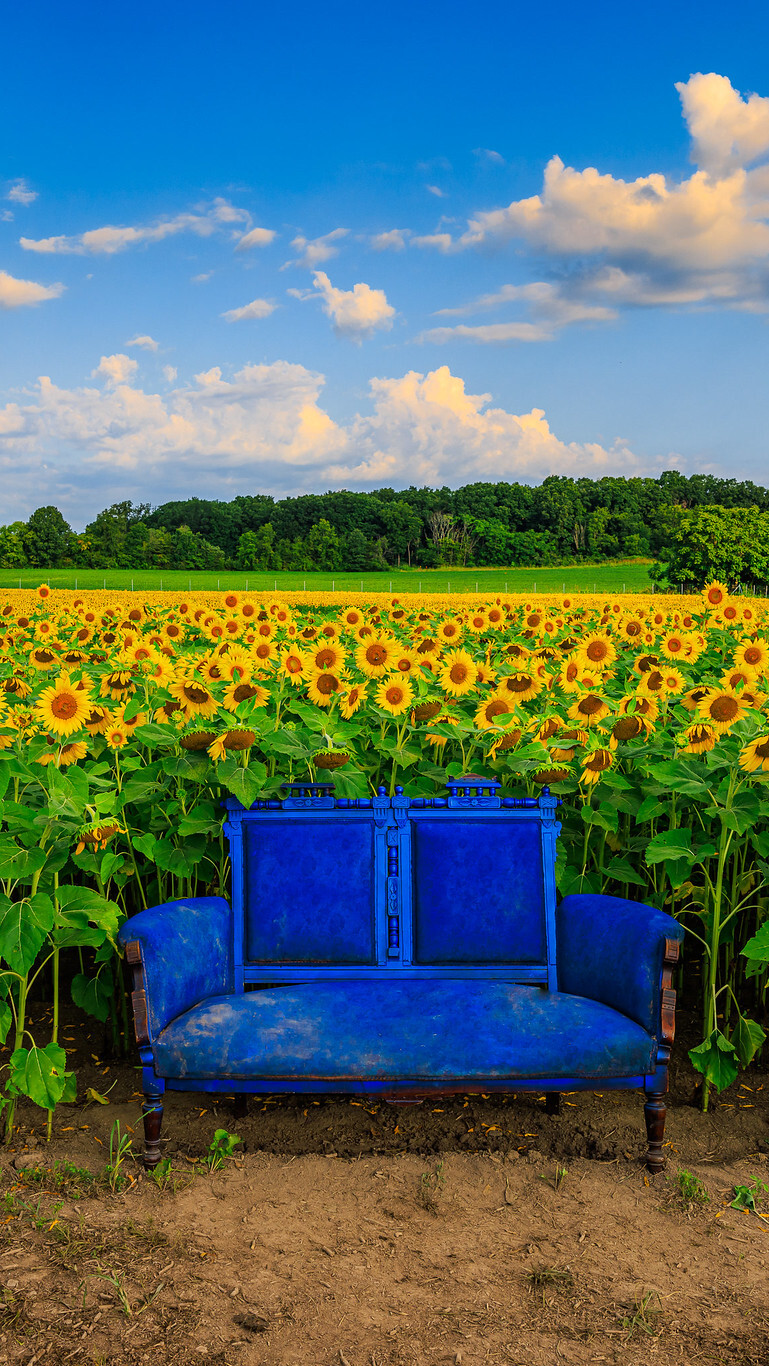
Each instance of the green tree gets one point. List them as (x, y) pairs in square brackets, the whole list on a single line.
[(257, 549), (323, 546), (48, 539), (403, 528), (12, 552), (730, 544), (109, 531)]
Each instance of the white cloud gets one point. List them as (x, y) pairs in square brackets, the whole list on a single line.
[(265, 427), (108, 240), (21, 192), (170, 373), (437, 191), (727, 131), (257, 237), (550, 306), (701, 240), (487, 154), (258, 308), (316, 250), (201, 279), (394, 240), (356, 312), (147, 343), (16, 293), (116, 369)]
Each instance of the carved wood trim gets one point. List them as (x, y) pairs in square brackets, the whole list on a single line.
[(667, 992), (133, 953)]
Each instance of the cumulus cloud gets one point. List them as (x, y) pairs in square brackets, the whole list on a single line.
[(356, 312), (116, 369), (109, 240), (20, 192), (701, 240), (265, 427), (16, 293), (257, 237), (394, 240), (258, 308), (314, 251), (146, 342)]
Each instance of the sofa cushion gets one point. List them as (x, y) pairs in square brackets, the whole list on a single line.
[(413, 1030)]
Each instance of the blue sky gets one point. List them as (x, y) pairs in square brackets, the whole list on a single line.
[(248, 249)]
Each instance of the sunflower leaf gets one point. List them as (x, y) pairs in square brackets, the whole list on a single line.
[(40, 1074), (748, 1036), (757, 948), (23, 927), (716, 1059)]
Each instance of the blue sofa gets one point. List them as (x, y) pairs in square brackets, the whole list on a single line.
[(403, 948)]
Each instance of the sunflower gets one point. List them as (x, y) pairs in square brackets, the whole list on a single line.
[(244, 690), (352, 699), (721, 708), (292, 664), (42, 658), (754, 758), (405, 661), (596, 652), (675, 645), (63, 707), (174, 632), (327, 655), (630, 726), (754, 654), (62, 755), (323, 685), (596, 764), (439, 741), (485, 672), (673, 681), (739, 677), (458, 674), (715, 594), (449, 632), (374, 656), (568, 740), (589, 709), (350, 617), (698, 738), (491, 712), (521, 686), (116, 736), (118, 683), (193, 696), (394, 694), (547, 775), (569, 675), (478, 623)]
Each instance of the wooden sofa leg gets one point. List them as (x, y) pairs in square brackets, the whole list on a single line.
[(152, 1110), (655, 1113), (552, 1102)]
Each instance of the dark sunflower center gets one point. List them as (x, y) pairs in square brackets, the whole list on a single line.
[(195, 694), (64, 706), (724, 708), (590, 705)]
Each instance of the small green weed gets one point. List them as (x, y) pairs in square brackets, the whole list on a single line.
[(62, 1176), (691, 1191), (747, 1197), (119, 1153), (431, 1187), (558, 1177), (647, 1307), (222, 1146)]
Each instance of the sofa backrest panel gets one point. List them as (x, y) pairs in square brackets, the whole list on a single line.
[(309, 892), (477, 890)]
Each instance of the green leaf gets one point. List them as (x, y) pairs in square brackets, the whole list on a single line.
[(668, 846), (748, 1036), (138, 789), (111, 863), (22, 864), (757, 948), (6, 1020), (621, 870), (153, 734), (716, 1058), (69, 1094), (180, 861), (40, 1074), (681, 777), (145, 844), (244, 783), (650, 808), (23, 927), (93, 994)]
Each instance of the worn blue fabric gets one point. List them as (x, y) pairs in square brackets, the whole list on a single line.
[(612, 950), (478, 891), (310, 891), (187, 954), (410, 1031)]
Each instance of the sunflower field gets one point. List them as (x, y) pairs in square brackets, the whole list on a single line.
[(124, 721)]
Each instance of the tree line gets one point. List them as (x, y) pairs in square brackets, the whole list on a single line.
[(681, 522)]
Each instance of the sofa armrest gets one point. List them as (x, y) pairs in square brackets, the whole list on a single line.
[(181, 953), (614, 951)]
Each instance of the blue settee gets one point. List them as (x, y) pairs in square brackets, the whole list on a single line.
[(403, 948)]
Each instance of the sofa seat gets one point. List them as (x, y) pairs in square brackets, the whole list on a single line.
[(404, 1031)]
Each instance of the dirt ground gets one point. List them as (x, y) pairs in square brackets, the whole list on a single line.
[(464, 1231)]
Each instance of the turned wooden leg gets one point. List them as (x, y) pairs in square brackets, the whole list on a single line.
[(152, 1110), (655, 1112), (552, 1102)]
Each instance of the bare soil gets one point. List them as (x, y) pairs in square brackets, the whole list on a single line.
[(464, 1231)]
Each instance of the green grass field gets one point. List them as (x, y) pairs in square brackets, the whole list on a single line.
[(630, 577)]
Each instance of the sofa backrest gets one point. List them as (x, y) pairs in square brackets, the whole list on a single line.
[(462, 885)]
